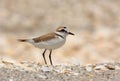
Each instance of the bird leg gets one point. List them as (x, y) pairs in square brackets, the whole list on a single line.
[(44, 56), (50, 57)]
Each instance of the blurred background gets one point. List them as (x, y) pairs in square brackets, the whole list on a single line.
[(96, 24)]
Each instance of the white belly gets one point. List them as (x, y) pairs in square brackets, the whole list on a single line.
[(51, 44)]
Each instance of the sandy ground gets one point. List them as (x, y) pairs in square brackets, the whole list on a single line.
[(25, 71), (94, 22)]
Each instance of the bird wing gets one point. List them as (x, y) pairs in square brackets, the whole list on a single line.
[(45, 37)]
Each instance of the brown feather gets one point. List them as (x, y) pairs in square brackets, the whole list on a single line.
[(22, 40), (46, 37)]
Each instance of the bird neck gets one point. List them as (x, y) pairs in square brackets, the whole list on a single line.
[(63, 35)]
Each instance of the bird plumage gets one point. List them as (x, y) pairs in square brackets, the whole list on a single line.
[(50, 41)]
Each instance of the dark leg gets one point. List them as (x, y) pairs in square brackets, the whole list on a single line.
[(44, 56), (50, 57)]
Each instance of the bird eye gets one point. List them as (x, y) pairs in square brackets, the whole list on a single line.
[(65, 27), (62, 30)]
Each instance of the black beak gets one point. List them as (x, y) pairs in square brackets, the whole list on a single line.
[(71, 33)]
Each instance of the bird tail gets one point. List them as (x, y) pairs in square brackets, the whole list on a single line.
[(23, 40)]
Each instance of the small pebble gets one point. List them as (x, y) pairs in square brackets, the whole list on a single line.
[(88, 68), (46, 69), (100, 67)]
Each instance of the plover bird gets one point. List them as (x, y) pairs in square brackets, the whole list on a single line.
[(50, 41)]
